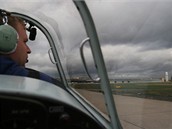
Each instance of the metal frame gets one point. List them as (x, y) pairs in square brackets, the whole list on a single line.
[(97, 55)]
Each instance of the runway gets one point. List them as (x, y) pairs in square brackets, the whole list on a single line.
[(137, 113)]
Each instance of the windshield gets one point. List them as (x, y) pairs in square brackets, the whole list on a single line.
[(135, 38), (66, 27)]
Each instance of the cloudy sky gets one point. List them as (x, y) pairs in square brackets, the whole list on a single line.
[(135, 35)]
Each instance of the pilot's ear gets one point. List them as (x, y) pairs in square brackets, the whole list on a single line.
[(8, 39)]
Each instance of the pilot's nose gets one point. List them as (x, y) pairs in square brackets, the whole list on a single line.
[(28, 50)]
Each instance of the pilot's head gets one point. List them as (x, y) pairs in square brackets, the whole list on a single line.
[(13, 40)]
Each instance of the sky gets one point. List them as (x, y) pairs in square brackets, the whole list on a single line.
[(135, 35)]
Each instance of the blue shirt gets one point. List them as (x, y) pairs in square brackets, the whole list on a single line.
[(10, 67)]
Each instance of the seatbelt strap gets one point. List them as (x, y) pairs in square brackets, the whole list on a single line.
[(33, 73)]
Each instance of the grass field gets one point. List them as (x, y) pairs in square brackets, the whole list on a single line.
[(153, 90)]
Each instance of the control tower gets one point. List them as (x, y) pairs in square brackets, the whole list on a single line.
[(166, 76)]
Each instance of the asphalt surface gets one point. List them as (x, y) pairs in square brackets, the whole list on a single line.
[(136, 113)]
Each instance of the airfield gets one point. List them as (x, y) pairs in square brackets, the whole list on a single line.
[(146, 107)]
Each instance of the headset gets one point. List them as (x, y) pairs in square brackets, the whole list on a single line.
[(8, 36)]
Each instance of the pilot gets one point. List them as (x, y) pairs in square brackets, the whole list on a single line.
[(14, 50)]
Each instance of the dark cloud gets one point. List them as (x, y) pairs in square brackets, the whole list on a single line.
[(142, 23), (135, 37)]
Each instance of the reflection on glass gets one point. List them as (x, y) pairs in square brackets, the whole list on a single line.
[(39, 58)]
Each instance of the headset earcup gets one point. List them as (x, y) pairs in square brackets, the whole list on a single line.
[(8, 39)]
